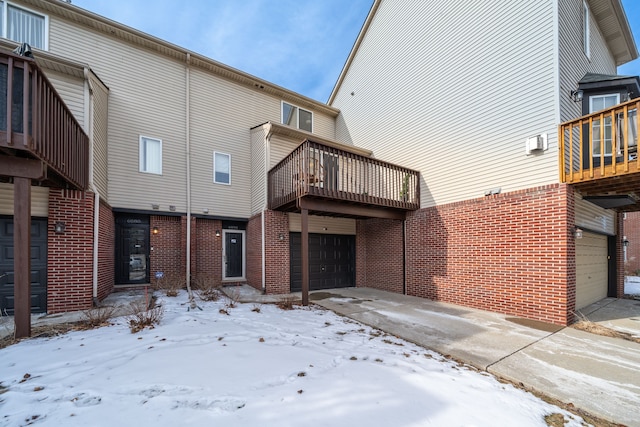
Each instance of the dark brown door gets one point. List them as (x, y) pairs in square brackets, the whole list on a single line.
[(38, 265), (331, 261), (132, 250)]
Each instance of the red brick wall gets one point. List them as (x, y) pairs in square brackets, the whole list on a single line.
[(207, 249), (277, 252), (70, 255), (379, 254), (631, 229), (168, 252), (254, 251), (511, 253), (106, 250)]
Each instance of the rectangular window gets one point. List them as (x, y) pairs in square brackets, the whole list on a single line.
[(221, 168), (585, 29), (598, 103), (297, 117), (23, 26), (150, 155)]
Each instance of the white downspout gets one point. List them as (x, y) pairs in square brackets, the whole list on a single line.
[(188, 155), (88, 123), (263, 243)]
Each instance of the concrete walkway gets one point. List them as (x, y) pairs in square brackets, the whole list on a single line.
[(598, 374)]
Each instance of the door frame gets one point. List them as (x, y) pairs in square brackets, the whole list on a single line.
[(224, 255)]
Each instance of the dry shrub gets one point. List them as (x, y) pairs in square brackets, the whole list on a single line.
[(232, 297), (98, 316), (207, 287), (287, 303), (141, 316), (171, 283), (594, 328)]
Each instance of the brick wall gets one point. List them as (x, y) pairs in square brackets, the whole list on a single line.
[(511, 253), (106, 250), (207, 251), (254, 251), (631, 229), (379, 254), (70, 254), (168, 246), (277, 252)]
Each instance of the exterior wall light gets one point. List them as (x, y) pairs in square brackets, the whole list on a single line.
[(625, 242), (59, 228), (577, 95), (217, 233), (281, 237), (155, 230), (577, 233)]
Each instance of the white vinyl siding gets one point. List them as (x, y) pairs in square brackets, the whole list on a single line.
[(150, 155), (100, 110), (39, 200), (323, 224), (456, 99), (71, 90), (221, 168), (586, 37), (595, 218), (258, 169), (23, 25)]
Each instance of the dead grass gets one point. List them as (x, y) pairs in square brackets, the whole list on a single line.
[(287, 303), (207, 287), (141, 316), (98, 316), (584, 324), (171, 284)]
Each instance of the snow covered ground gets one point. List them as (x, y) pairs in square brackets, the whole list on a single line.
[(632, 285), (270, 367)]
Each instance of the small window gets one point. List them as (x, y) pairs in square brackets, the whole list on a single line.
[(297, 117), (150, 155), (23, 26), (221, 168), (598, 103), (585, 29)]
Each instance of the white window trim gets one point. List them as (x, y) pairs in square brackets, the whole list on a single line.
[(214, 168), (586, 29), (298, 115), (141, 164), (591, 98), (5, 26)]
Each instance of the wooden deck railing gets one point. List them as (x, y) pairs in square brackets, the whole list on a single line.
[(35, 121), (581, 141), (318, 170)]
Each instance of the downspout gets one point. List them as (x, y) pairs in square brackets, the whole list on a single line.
[(404, 256), (88, 122), (267, 144), (188, 155)]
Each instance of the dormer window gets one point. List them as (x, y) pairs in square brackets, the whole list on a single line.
[(23, 26), (297, 117)]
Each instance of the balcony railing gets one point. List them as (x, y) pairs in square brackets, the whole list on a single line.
[(35, 123), (319, 171), (600, 145)]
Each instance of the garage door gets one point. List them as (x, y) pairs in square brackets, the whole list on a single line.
[(331, 261), (591, 269), (38, 265)]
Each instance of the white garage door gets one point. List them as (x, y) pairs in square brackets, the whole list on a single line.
[(591, 269)]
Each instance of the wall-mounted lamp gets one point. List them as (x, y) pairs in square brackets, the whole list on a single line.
[(59, 227), (217, 233), (625, 242), (205, 211), (155, 230), (577, 95), (155, 207), (172, 208), (577, 232), (281, 237), (493, 191)]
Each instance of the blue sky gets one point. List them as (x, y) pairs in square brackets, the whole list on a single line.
[(298, 44)]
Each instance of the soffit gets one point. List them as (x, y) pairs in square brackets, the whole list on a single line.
[(615, 29)]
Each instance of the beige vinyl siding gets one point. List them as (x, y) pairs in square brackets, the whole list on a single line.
[(594, 218), (258, 168), (573, 62), (453, 98), (100, 136), (323, 224), (71, 90), (324, 125), (39, 200)]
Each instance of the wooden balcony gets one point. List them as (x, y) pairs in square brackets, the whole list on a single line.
[(330, 181), (39, 137), (612, 173)]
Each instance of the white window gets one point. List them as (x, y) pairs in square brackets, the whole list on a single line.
[(23, 26), (297, 117), (597, 103), (221, 168), (585, 29), (150, 155)]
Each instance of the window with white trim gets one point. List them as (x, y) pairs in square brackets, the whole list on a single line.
[(297, 117), (150, 155), (586, 45), (598, 103), (221, 168), (23, 25)]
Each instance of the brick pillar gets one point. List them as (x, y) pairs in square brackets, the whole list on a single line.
[(167, 252), (208, 250), (106, 251), (277, 252), (254, 251), (620, 267)]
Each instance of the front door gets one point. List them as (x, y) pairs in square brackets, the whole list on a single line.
[(132, 250), (233, 255)]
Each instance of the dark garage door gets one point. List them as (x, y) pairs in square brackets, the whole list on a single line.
[(38, 265), (331, 261)]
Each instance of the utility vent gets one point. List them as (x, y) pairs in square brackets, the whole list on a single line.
[(537, 144)]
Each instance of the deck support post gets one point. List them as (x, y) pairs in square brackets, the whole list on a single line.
[(305, 257), (22, 256)]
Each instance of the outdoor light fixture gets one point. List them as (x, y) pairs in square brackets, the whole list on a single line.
[(577, 95), (577, 232), (59, 227), (155, 207), (155, 230), (205, 211), (281, 237), (625, 242), (217, 233)]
